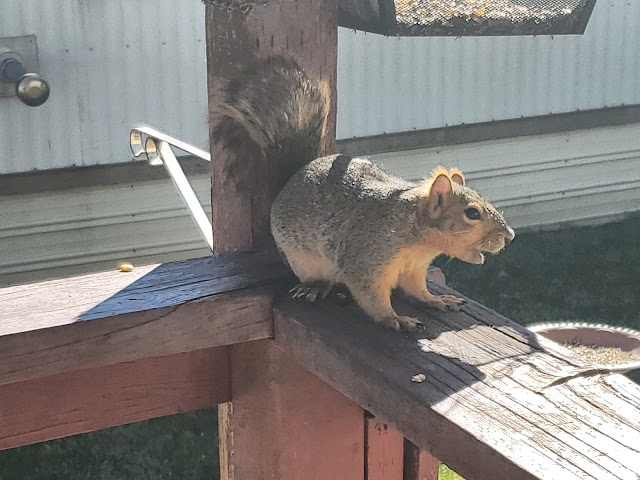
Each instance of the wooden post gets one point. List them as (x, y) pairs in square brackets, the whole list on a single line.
[(384, 447), (304, 30), (286, 423), (419, 464), (283, 421)]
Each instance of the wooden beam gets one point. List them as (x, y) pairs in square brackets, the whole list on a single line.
[(305, 31), (286, 423), (90, 321), (384, 451), (419, 464), (283, 422), (498, 402), (96, 398)]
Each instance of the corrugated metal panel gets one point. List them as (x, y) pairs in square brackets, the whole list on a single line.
[(56, 234), (585, 176), (390, 85), (111, 65), (119, 63)]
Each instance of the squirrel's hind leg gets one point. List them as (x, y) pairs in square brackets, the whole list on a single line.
[(317, 275)]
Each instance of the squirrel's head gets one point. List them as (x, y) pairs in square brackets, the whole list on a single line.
[(458, 219)]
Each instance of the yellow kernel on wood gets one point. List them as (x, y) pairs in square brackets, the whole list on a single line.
[(125, 267)]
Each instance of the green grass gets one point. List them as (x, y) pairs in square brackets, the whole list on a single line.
[(174, 447), (585, 274), (445, 473)]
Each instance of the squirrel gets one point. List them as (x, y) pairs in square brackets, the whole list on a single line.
[(341, 219)]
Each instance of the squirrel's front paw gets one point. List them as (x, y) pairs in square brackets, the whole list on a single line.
[(403, 322), (444, 302)]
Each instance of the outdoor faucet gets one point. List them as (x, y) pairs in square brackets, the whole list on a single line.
[(30, 88)]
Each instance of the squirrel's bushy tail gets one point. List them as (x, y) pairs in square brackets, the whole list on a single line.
[(271, 120)]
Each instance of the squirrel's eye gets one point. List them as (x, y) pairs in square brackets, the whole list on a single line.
[(472, 213)]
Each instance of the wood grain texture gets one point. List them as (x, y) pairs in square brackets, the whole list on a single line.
[(102, 319), (96, 398), (108, 294), (384, 451), (305, 31), (286, 423), (419, 464), (498, 401), (283, 422)]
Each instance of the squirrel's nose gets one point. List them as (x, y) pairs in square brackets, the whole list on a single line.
[(510, 235)]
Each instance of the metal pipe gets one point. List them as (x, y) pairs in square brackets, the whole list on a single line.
[(184, 187)]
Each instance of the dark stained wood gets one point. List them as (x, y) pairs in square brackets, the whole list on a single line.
[(94, 320), (498, 401), (419, 464), (305, 31), (384, 451), (283, 422), (286, 423), (96, 398), (108, 294), (436, 275)]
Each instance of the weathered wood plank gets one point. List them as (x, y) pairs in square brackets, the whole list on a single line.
[(496, 402), (96, 398), (102, 319), (305, 31), (419, 464), (275, 429), (384, 451), (285, 422), (109, 294)]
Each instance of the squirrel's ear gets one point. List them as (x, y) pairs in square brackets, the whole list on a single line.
[(439, 186), (457, 176)]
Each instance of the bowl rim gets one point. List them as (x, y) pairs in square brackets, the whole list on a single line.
[(538, 328)]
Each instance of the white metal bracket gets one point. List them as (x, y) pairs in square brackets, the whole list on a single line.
[(156, 146)]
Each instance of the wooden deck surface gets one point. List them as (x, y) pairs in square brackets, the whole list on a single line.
[(101, 319), (497, 401)]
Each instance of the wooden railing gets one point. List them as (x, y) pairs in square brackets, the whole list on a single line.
[(304, 392), (497, 401)]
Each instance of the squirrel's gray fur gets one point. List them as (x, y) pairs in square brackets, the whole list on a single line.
[(343, 220)]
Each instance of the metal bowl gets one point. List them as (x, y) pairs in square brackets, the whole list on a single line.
[(599, 335)]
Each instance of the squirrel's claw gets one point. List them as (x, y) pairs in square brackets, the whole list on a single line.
[(402, 322), (310, 292), (409, 324), (446, 302)]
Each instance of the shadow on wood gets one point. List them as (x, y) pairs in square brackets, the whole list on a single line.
[(497, 401), (106, 318)]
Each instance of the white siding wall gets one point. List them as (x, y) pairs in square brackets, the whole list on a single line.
[(111, 65), (586, 176), (398, 84), (118, 63), (55, 234)]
